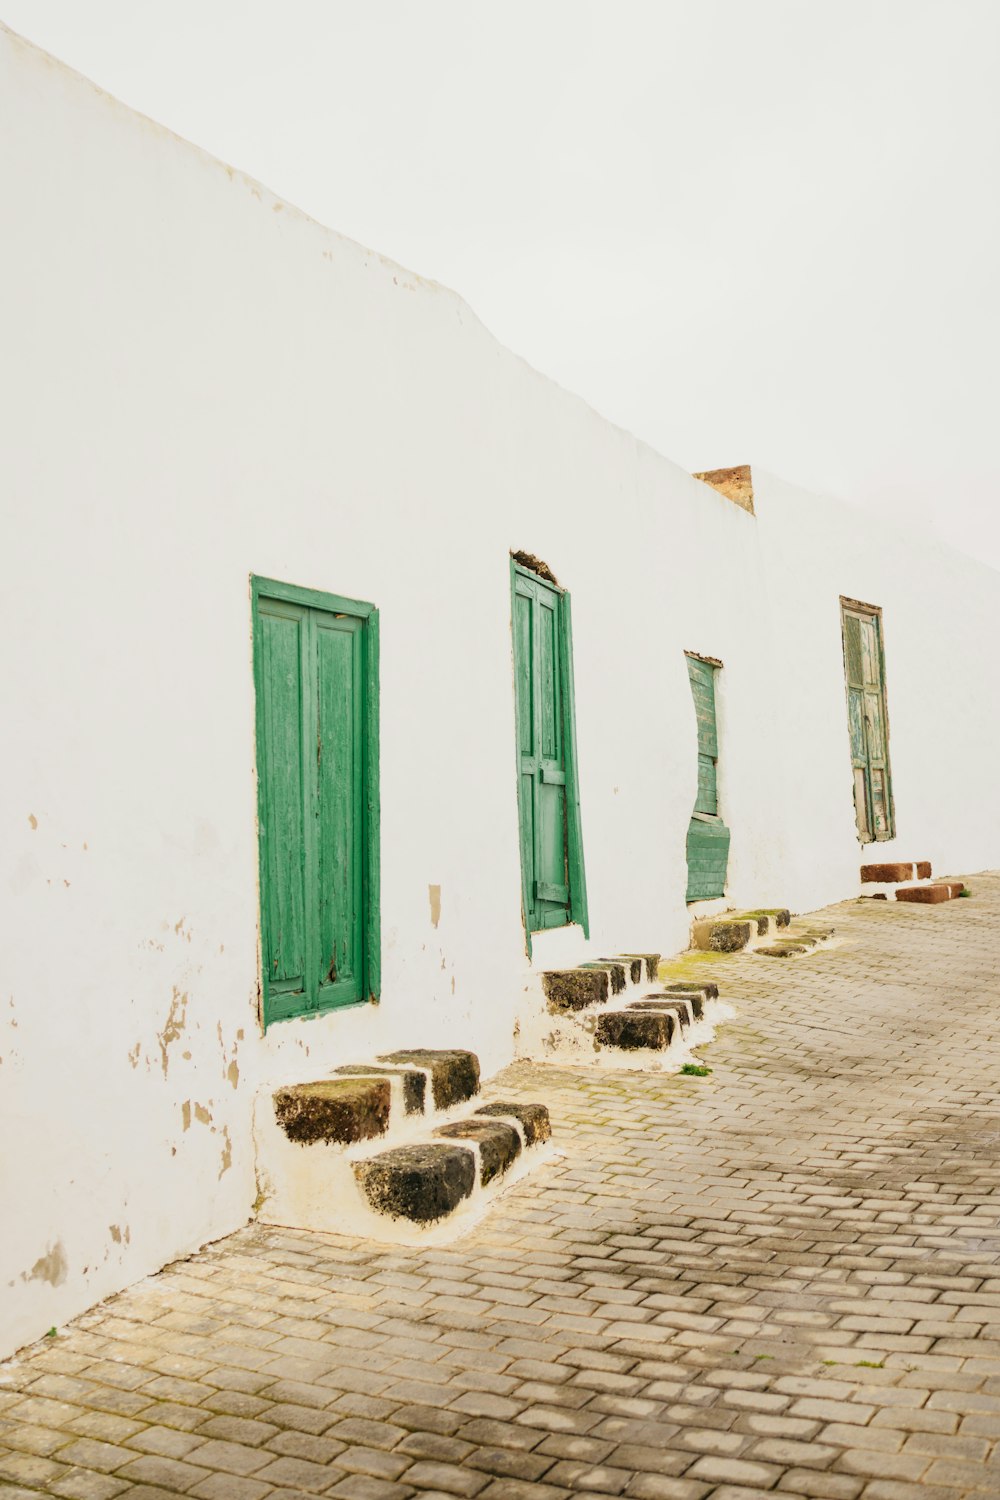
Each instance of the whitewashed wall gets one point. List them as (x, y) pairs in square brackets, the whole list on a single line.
[(197, 383)]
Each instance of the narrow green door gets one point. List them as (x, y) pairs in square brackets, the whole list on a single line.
[(708, 836), (552, 873), (315, 664), (867, 722)]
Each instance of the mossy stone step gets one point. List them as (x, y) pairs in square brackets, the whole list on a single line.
[(499, 1144), (334, 1110), (575, 989), (614, 970), (636, 1030), (781, 950), (532, 1118), (707, 990), (414, 1083), (650, 960), (676, 1005), (454, 1074), (421, 1183), (723, 936), (779, 915)]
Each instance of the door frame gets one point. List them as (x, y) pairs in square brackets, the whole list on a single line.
[(874, 613), (336, 604), (575, 869)]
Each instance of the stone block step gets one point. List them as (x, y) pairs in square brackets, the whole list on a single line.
[(894, 874), (653, 1023), (334, 1110), (636, 1029), (779, 916), (945, 890), (424, 1183), (454, 1074), (723, 935), (595, 980), (390, 1148), (575, 989), (734, 931)]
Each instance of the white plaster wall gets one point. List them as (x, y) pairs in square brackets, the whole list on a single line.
[(197, 383)]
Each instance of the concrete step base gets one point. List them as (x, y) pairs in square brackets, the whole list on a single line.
[(391, 1150)]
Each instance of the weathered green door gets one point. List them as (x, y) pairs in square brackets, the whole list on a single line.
[(315, 664), (708, 836), (867, 722), (553, 883)]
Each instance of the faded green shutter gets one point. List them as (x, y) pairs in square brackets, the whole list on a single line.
[(552, 871), (867, 725), (282, 699), (708, 836), (316, 672)]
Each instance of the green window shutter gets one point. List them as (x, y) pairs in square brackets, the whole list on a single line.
[(281, 729), (867, 722), (553, 882), (316, 674), (708, 837)]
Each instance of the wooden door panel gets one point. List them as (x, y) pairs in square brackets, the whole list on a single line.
[(316, 671), (867, 722), (282, 813), (542, 668), (339, 808)]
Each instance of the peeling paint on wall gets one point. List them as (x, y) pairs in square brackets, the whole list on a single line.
[(52, 1267), (434, 892), (174, 1026)]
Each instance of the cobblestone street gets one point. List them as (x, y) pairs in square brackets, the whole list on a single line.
[(783, 1277)]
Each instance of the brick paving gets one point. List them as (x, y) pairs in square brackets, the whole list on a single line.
[(780, 1279)]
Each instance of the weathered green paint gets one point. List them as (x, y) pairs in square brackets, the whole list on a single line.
[(553, 880), (868, 723), (316, 679), (708, 836)]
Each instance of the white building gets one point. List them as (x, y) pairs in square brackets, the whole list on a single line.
[(202, 389)]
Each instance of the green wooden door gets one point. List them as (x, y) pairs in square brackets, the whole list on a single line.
[(553, 882), (315, 671), (708, 836), (868, 723)]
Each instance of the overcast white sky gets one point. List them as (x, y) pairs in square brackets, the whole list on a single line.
[(760, 231)]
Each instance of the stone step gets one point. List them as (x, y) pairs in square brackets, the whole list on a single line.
[(895, 874), (657, 1020), (734, 931), (424, 1183), (586, 1017), (944, 890), (595, 981), (723, 935), (363, 1100), (453, 1074), (398, 1142)]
